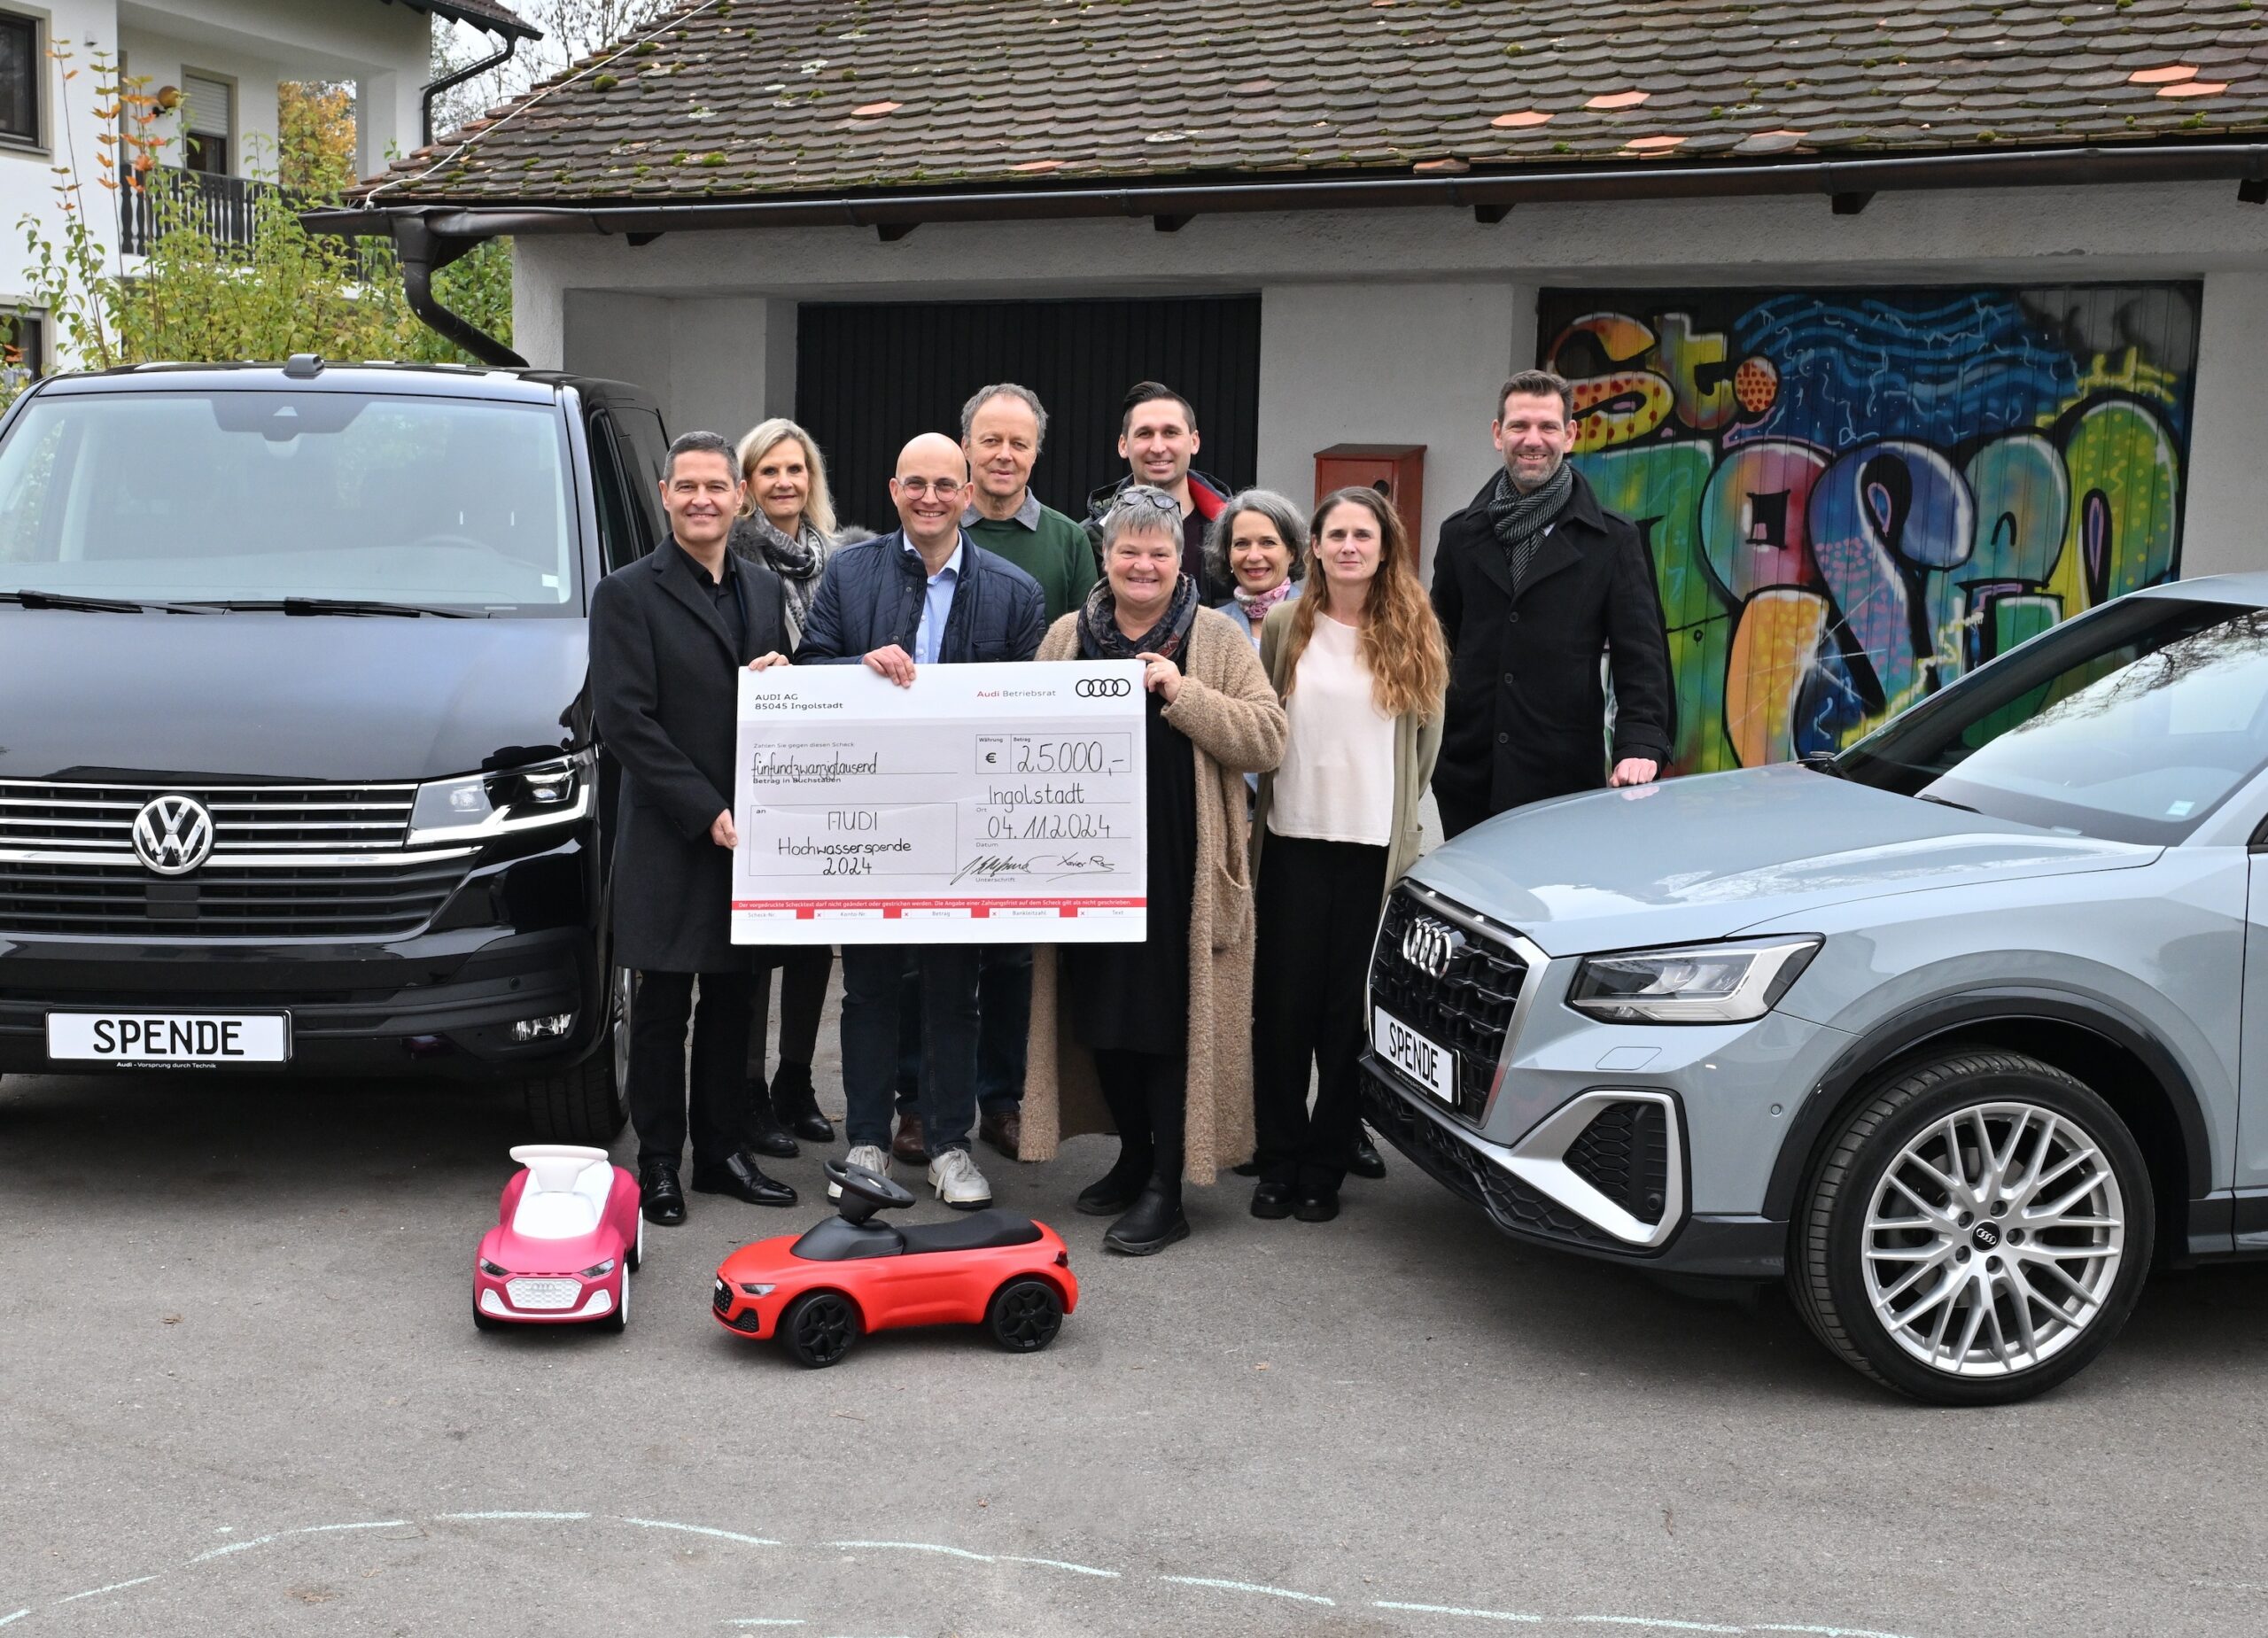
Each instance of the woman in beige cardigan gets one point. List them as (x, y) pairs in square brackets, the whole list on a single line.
[(1153, 1040), (1361, 666)]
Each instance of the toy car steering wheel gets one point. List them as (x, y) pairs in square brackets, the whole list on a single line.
[(863, 1191)]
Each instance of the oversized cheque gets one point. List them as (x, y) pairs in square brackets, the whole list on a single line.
[(984, 805)]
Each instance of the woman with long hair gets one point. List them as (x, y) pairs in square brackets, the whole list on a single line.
[(1359, 663), (787, 523), (1148, 1040)]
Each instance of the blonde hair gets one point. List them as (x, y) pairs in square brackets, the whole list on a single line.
[(818, 504), (1401, 640)]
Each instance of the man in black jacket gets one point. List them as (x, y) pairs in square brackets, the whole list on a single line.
[(1532, 582), (927, 594), (668, 635)]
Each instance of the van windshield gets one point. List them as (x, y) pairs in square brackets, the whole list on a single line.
[(2133, 723), (256, 496)]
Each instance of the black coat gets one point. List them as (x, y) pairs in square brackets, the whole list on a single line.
[(1527, 712), (665, 688), (870, 597)]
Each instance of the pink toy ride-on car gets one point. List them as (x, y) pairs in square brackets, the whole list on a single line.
[(567, 1235)]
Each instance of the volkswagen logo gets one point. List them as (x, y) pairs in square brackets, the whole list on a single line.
[(1103, 687), (1430, 945), (173, 836)]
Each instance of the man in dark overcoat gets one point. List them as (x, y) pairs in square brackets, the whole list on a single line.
[(669, 636), (1532, 582)]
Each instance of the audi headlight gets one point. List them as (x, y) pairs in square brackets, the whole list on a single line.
[(599, 1270), (494, 804), (494, 1270), (758, 1291), (1701, 984)]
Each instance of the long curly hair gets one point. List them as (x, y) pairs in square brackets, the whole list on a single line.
[(1401, 640)]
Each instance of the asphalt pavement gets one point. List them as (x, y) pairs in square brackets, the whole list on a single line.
[(241, 1392)]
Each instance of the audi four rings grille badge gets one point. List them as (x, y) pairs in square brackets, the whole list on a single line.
[(1103, 687), (173, 836), (1430, 945)]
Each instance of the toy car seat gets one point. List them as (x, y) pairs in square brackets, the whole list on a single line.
[(862, 1192), (566, 1191)]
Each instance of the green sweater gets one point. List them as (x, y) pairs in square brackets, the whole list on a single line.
[(1054, 552)]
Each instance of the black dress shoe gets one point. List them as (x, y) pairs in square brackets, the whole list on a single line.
[(740, 1176), (796, 1101), (1316, 1207), (1151, 1224), (766, 1134), (659, 1197), (1366, 1162), (1272, 1199)]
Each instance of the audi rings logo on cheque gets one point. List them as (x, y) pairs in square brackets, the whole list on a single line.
[(173, 836), (1103, 687), (1430, 945)]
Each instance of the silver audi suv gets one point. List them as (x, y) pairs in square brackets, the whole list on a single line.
[(1955, 1033)]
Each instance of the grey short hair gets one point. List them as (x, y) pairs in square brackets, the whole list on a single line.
[(1140, 510), (699, 443), (1291, 528), (1005, 389)]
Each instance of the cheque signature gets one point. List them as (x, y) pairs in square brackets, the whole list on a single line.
[(1039, 867)]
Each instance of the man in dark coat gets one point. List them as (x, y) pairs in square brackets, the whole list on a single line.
[(1532, 582), (924, 596), (668, 635), (1157, 438)]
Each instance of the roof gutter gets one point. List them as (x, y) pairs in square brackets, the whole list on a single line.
[(1843, 179)]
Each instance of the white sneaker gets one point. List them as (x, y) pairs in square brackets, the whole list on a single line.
[(958, 1182), (874, 1159)]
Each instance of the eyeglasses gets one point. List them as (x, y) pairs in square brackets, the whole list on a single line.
[(946, 487), (1143, 498)]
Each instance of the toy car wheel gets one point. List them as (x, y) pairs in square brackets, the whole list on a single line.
[(1977, 1232), (619, 1320), (1025, 1316), (484, 1322), (637, 1248), (819, 1328)]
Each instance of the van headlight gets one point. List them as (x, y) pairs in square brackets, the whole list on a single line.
[(1696, 984), (496, 804)]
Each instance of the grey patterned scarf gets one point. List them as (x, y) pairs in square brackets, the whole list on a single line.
[(1520, 519), (797, 561)]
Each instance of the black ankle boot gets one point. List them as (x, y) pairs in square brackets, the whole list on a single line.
[(1154, 1223), (766, 1134), (795, 1100), (1115, 1190)]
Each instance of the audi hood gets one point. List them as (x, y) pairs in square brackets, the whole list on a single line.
[(1709, 856), (275, 697)]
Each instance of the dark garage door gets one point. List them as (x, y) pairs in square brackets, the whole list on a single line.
[(871, 375)]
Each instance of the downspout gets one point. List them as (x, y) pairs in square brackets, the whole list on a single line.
[(448, 82), (424, 253)]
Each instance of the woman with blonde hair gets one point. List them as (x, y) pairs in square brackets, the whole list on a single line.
[(787, 523), (1359, 663)]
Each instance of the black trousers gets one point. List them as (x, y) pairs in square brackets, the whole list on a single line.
[(803, 975), (1147, 1094), (659, 1092), (1317, 905)]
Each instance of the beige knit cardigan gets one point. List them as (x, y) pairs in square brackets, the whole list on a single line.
[(1235, 727)]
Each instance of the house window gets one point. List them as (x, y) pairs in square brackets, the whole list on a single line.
[(23, 348), (204, 138), (19, 78)]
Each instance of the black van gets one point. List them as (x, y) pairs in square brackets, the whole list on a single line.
[(297, 765)]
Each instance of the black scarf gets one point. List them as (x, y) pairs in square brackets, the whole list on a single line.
[(1520, 519), (797, 561), (1100, 638)]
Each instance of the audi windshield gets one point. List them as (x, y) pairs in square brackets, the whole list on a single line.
[(236, 498)]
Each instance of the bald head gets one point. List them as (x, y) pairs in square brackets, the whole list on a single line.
[(929, 491)]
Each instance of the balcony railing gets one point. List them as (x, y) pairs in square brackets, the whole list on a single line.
[(223, 207)]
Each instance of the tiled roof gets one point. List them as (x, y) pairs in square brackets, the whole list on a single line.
[(747, 98)]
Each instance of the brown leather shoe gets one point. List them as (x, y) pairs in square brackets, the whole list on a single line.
[(1003, 1130), (908, 1146)]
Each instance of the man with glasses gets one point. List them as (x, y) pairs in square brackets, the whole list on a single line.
[(923, 595), (1532, 583)]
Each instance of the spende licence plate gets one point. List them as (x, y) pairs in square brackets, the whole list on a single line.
[(1432, 1066), (169, 1040)]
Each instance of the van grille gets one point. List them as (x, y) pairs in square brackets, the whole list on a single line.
[(1467, 1009), (376, 900), (247, 819)]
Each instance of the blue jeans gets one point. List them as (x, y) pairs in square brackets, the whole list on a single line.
[(873, 977)]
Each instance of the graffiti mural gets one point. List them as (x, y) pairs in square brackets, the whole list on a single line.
[(1853, 496)]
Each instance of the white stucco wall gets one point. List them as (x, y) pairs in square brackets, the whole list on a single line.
[(1395, 326)]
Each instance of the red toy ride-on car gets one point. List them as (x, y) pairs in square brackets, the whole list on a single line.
[(851, 1275)]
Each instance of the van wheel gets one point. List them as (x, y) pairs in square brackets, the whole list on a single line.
[(586, 1104), (1978, 1232)]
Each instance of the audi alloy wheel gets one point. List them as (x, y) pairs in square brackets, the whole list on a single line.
[(1025, 1315), (1978, 1232)]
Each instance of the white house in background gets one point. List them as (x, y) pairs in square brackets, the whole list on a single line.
[(225, 58)]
